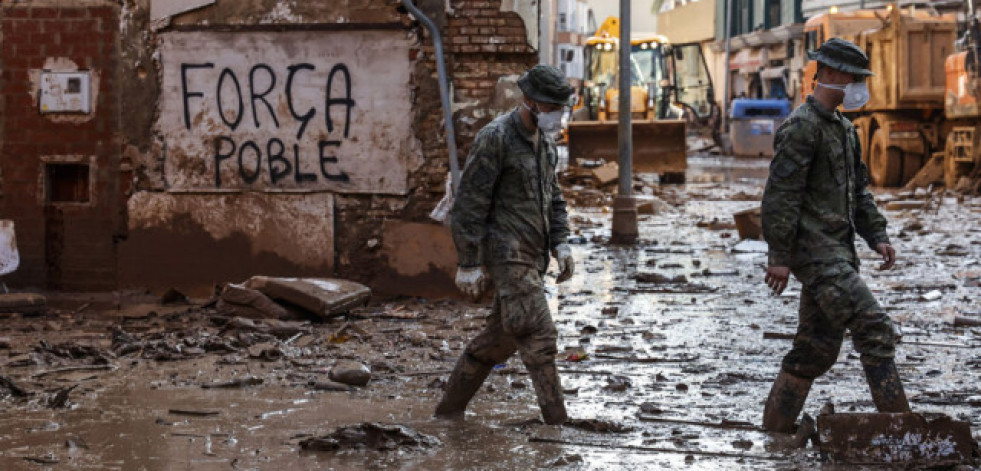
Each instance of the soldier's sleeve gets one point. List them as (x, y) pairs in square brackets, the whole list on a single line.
[(869, 222), (794, 146), (559, 223), (474, 197)]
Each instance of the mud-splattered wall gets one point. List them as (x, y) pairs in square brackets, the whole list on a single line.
[(60, 166), (279, 137)]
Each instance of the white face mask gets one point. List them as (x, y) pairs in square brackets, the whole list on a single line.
[(856, 94), (550, 122)]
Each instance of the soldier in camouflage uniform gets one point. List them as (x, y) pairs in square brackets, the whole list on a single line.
[(814, 204), (508, 215)]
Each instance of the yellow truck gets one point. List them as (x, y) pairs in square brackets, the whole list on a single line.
[(904, 122), (670, 90)]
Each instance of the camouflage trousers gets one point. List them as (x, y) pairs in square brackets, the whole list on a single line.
[(519, 321), (835, 298)]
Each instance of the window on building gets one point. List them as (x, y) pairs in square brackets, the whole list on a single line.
[(67, 183), (773, 18)]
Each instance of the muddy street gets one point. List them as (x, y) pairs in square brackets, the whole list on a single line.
[(667, 351)]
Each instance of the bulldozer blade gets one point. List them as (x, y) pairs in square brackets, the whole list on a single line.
[(658, 146)]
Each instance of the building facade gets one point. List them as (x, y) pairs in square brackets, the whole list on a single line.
[(765, 47)]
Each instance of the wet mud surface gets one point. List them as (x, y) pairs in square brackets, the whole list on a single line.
[(667, 351)]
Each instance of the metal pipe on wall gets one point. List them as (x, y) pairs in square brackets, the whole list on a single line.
[(444, 90)]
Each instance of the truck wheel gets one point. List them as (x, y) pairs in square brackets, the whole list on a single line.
[(885, 163)]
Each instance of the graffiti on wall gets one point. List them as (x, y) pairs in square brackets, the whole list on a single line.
[(276, 111)]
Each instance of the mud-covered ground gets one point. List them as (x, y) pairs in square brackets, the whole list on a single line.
[(668, 351)]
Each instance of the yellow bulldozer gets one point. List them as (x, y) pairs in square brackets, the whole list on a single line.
[(671, 92)]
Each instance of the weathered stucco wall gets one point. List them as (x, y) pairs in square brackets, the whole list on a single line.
[(298, 110)]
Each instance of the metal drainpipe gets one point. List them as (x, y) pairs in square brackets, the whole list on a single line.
[(444, 92)]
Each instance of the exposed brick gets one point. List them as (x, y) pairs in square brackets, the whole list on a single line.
[(460, 40), (16, 12), (38, 12), (74, 12), (479, 40), (26, 26)]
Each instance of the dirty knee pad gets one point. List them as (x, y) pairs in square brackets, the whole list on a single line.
[(873, 335), (810, 359)]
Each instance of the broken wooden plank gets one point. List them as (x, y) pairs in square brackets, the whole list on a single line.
[(961, 321), (931, 172), (25, 303), (725, 424), (75, 368), (910, 439), (654, 449), (13, 387), (235, 383), (195, 413)]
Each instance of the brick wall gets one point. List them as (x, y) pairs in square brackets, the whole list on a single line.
[(67, 245)]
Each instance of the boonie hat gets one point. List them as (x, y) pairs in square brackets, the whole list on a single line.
[(546, 84), (842, 55)]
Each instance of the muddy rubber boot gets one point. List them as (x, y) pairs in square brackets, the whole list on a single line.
[(785, 402), (887, 390), (549, 390), (467, 377)]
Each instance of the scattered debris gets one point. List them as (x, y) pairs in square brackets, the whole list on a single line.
[(372, 436), (931, 295), (195, 413), (24, 303), (598, 426), (60, 398), (172, 296), (237, 300), (353, 373), (617, 383), (749, 223), (606, 174), (910, 439), (235, 383), (751, 246), (11, 386), (324, 297), (932, 172), (330, 386), (961, 321), (657, 278), (900, 205), (566, 460)]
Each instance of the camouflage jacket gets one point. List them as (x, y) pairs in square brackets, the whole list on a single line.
[(509, 208), (816, 198)]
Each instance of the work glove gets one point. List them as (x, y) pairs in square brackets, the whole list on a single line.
[(470, 280), (563, 255)]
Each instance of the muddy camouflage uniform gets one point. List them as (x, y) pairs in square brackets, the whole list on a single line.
[(508, 215), (815, 202)]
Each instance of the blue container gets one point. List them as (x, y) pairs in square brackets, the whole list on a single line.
[(753, 124)]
